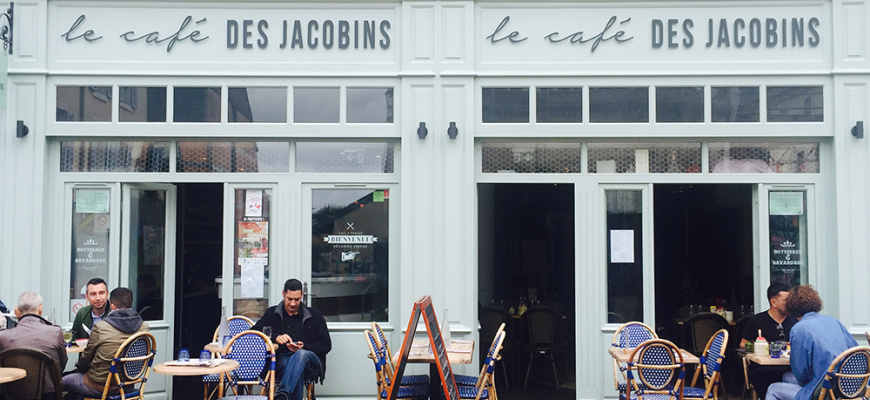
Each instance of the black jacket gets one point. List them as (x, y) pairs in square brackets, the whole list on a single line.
[(314, 328)]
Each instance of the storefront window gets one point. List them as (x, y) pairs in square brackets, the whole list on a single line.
[(619, 104), (197, 104), (795, 104), (316, 105), (680, 104), (350, 253), (531, 158), (624, 255), (84, 103), (642, 158), (370, 105), (788, 237), (141, 104), (257, 104), (559, 104), (351, 157), (243, 157), (99, 156), (505, 104), (147, 251), (735, 104), (251, 252), (764, 157), (91, 220)]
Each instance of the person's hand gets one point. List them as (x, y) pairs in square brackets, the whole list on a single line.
[(295, 346), (283, 339)]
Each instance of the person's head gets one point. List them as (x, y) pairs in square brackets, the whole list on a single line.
[(121, 298), (292, 296), (97, 293), (801, 300), (28, 303), (777, 294)]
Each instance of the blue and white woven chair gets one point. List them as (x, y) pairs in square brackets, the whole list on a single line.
[(130, 368), (628, 336), (386, 356), (711, 364), (848, 375), (237, 324), (494, 348), (655, 372), (483, 386), (255, 354), (416, 392)]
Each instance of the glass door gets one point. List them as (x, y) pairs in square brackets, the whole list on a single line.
[(628, 257), (787, 234)]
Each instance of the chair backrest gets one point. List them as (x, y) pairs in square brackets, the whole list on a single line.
[(490, 318), (867, 336), (380, 375), (848, 375), (659, 369), (131, 365), (711, 362), (699, 328), (486, 379), (36, 364), (237, 325), (542, 326), (631, 334), (255, 354)]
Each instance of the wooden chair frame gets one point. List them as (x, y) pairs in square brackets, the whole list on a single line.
[(383, 380), (832, 383), (118, 367), (662, 386), (710, 366), (233, 318), (267, 384), (746, 384), (619, 370)]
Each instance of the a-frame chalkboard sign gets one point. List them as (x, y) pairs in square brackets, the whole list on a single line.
[(423, 306)]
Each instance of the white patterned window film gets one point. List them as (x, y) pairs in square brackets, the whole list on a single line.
[(764, 157), (531, 158), (244, 157), (657, 158), (105, 156), (350, 157)]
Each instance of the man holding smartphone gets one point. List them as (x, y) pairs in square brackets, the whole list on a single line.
[(303, 341)]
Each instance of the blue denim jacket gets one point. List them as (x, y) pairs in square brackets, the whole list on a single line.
[(815, 341)]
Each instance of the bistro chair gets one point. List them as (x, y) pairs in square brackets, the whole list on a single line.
[(492, 319), (711, 365), (416, 392), (656, 371), (747, 385), (628, 336), (848, 375), (237, 324), (255, 354), (542, 326), (130, 368), (485, 381), (38, 366), (867, 336), (699, 328), (383, 347)]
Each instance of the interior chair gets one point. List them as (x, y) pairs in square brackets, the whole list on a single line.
[(472, 380), (384, 380), (710, 366), (656, 372), (255, 354), (130, 368), (382, 346), (38, 367), (628, 336), (493, 319), (542, 327), (237, 324), (699, 328), (747, 386), (734, 374), (848, 375), (483, 385)]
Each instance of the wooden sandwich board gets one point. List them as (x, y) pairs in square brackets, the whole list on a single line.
[(423, 306)]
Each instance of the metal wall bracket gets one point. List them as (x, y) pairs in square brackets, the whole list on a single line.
[(6, 30)]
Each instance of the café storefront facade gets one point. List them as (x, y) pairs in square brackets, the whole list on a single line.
[(360, 146)]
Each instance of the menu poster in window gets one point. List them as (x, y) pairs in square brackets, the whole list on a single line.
[(253, 239), (253, 277)]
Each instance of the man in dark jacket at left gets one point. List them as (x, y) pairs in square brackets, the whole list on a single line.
[(303, 341), (92, 370)]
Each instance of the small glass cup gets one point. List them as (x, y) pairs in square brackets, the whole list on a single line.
[(750, 347), (204, 356), (183, 354), (775, 349)]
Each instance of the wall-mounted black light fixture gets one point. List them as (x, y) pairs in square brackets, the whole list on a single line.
[(422, 131), (858, 130), (6, 30), (452, 130), (21, 130)]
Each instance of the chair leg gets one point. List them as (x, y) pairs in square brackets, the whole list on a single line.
[(528, 370), (504, 372), (555, 372), (310, 390)]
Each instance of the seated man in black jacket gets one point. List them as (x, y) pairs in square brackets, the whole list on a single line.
[(303, 341)]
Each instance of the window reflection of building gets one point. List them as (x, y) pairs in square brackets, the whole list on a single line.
[(217, 157)]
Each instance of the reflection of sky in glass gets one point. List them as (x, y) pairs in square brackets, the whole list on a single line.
[(273, 156), (315, 105), (268, 104), (369, 105), (336, 197)]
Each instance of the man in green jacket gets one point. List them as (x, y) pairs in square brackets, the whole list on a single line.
[(97, 294)]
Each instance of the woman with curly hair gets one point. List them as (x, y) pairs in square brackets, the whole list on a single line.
[(815, 341)]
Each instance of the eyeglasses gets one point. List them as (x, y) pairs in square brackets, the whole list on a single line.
[(781, 332)]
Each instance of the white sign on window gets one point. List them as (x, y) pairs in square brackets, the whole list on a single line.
[(622, 246)]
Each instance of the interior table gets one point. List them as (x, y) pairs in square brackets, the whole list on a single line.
[(74, 349), (8, 374), (224, 365), (767, 359), (459, 352)]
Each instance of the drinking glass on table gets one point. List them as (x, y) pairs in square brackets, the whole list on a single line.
[(67, 336)]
